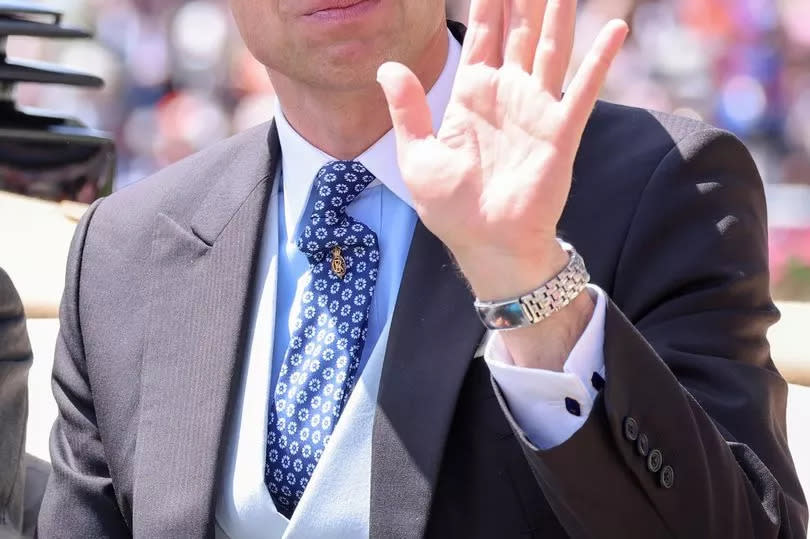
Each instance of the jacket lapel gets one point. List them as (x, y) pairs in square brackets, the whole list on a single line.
[(201, 298), (434, 334)]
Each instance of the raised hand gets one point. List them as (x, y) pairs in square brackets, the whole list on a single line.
[(492, 183)]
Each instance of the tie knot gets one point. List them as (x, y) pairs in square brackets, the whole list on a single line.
[(337, 184)]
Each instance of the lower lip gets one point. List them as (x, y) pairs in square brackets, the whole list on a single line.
[(345, 14)]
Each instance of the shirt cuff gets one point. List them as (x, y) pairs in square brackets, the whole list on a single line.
[(551, 406)]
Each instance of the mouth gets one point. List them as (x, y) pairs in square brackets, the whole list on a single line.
[(339, 9)]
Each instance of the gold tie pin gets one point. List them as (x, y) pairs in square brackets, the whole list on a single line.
[(338, 263)]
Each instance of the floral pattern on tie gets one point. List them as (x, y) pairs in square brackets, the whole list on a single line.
[(321, 363)]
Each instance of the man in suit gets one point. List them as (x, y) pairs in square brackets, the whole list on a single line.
[(299, 347)]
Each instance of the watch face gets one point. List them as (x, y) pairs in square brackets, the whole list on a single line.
[(55, 166)]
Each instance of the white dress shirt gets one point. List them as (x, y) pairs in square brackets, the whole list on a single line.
[(537, 398)]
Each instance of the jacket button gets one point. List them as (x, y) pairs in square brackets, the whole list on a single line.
[(655, 460), (643, 445), (667, 477), (630, 429)]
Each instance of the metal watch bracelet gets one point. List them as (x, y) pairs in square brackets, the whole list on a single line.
[(531, 308)]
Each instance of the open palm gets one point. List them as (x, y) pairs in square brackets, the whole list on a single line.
[(499, 170)]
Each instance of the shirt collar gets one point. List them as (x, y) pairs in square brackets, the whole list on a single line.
[(300, 160)]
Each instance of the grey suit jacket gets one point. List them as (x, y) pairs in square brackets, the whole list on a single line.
[(15, 361), (686, 439)]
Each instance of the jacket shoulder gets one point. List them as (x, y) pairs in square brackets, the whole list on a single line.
[(10, 303), (14, 344), (634, 141), (622, 150), (627, 128), (179, 189), (189, 179), (626, 145)]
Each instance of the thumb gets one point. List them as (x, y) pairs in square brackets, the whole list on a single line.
[(407, 103)]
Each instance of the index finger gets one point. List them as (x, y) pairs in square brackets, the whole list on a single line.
[(483, 43)]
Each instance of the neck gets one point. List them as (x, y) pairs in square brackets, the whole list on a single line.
[(344, 124)]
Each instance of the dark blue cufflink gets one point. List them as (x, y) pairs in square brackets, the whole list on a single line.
[(572, 406), (597, 381)]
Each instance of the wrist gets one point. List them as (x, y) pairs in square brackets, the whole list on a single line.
[(494, 275), (548, 345), (554, 317)]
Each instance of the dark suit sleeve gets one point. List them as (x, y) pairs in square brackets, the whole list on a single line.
[(79, 499), (687, 359), (15, 361)]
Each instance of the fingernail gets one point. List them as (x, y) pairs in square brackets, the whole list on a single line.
[(381, 71)]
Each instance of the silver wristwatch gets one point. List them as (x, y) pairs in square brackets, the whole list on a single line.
[(536, 306)]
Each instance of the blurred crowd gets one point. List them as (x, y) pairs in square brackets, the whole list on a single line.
[(179, 78), (743, 65)]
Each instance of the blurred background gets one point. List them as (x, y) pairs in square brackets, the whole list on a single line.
[(178, 79)]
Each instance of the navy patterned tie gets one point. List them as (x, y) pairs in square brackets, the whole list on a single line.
[(321, 363)]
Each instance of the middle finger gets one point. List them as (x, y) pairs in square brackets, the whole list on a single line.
[(524, 20), (556, 44)]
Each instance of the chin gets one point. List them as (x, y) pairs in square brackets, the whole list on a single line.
[(348, 64), (346, 77)]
